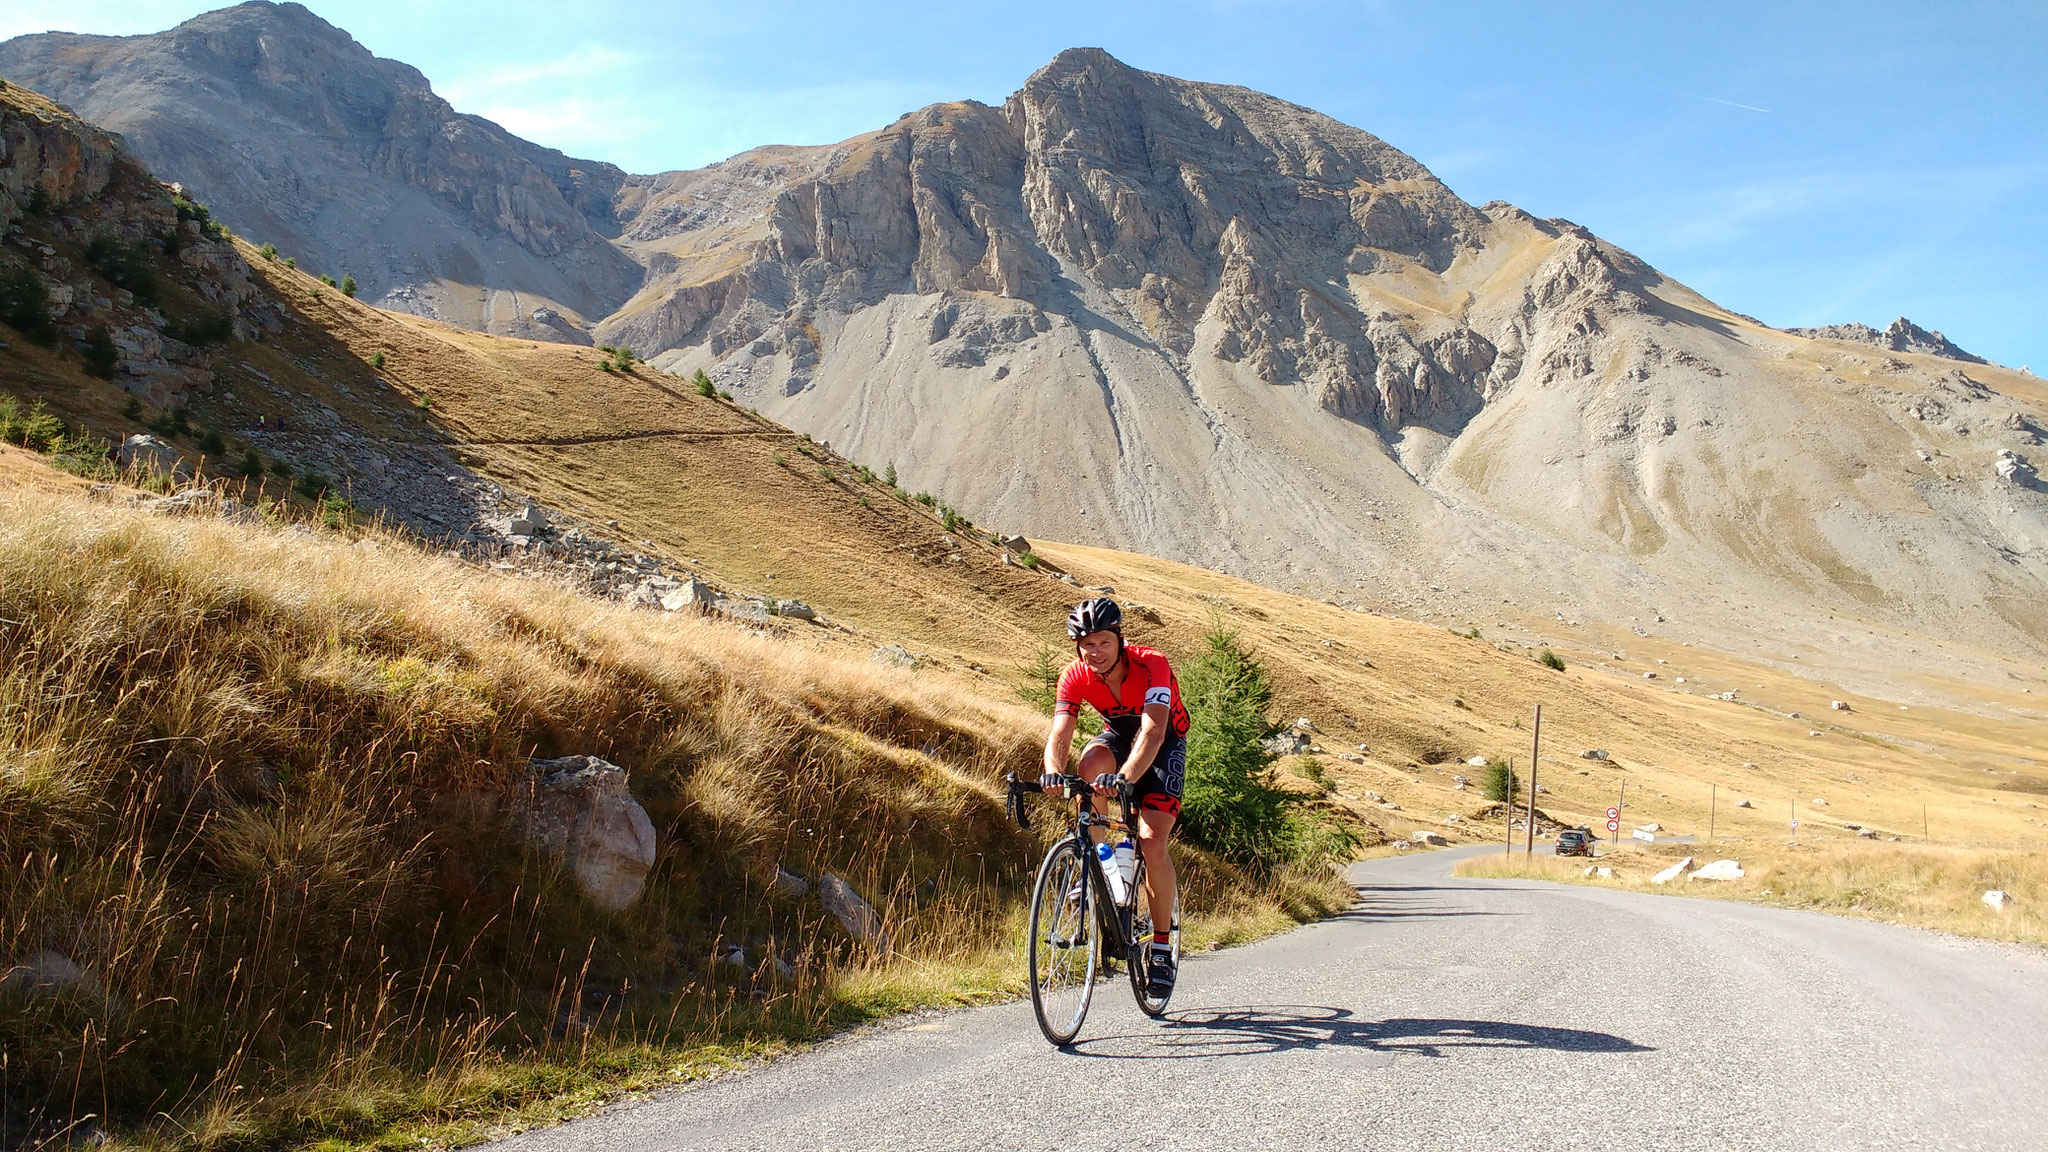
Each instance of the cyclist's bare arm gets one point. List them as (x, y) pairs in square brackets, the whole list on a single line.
[(1057, 744)]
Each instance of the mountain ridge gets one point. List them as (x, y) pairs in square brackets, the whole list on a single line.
[(1198, 321)]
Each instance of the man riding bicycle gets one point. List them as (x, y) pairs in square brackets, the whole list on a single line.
[(1142, 747)]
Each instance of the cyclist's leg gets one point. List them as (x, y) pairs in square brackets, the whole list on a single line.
[(1104, 753), (1158, 811), (1154, 826)]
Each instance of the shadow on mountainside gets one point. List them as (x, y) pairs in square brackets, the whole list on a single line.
[(1258, 1030)]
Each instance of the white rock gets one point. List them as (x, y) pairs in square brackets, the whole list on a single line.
[(795, 610), (1603, 873), (584, 815), (1304, 724), (688, 594), (894, 656), (859, 919), (1839, 705), (45, 974), (1477, 762), (1424, 836), (1652, 826), (1719, 870), (1819, 803), (1673, 872), (1593, 754), (790, 884), (147, 455), (1744, 804), (1998, 899)]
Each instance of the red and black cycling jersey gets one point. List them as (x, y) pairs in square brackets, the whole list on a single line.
[(1148, 679)]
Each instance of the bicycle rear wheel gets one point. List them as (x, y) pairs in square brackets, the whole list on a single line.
[(1065, 948), (1141, 946)]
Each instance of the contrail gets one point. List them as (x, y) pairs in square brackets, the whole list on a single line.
[(1718, 100)]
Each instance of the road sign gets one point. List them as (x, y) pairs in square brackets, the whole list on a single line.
[(1613, 813), (1795, 823), (1614, 825)]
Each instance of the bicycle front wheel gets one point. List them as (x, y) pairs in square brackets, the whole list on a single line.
[(1065, 948)]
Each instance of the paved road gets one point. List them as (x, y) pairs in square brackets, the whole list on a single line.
[(1447, 1014)]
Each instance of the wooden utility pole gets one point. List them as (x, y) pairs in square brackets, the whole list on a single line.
[(1535, 747), (1507, 811)]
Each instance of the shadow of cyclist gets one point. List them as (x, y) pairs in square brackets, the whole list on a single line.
[(1267, 1028)]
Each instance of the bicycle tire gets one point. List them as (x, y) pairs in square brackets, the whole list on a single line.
[(1141, 947), (1061, 967)]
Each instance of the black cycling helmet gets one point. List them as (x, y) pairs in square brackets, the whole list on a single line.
[(1098, 615)]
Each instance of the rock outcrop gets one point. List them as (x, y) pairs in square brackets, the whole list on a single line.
[(1901, 335), (295, 134)]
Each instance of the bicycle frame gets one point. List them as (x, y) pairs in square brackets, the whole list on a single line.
[(1117, 933)]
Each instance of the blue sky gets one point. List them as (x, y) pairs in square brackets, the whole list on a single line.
[(1804, 163)]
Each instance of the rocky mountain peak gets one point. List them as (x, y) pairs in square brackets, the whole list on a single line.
[(1901, 335), (297, 135)]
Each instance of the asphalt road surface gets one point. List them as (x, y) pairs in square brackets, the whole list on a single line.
[(1443, 1013)]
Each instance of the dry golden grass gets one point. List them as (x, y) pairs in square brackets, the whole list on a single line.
[(258, 784), (1928, 887)]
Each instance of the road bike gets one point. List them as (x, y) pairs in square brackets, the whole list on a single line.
[(1076, 918)]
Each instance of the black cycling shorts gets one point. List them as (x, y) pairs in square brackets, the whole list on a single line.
[(1159, 788)]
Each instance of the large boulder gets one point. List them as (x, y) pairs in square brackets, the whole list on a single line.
[(859, 919), (1719, 870), (150, 456), (584, 815), (1673, 872)]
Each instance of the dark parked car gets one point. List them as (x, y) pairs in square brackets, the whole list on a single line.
[(1575, 842)]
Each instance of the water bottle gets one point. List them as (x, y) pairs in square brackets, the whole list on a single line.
[(1127, 861), (1111, 871)]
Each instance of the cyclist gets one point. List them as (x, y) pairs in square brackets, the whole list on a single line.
[(1143, 746)]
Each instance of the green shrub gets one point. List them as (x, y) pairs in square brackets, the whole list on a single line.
[(199, 213), (252, 464), (725, 395), (950, 519), (1311, 769), (1042, 679), (926, 499), (181, 421), (40, 202), (268, 251), (202, 328), (348, 286), (1471, 633), (335, 510), (1231, 803), (25, 306), (781, 461), (31, 428), (328, 280), (1498, 782), (377, 359), (1029, 559), (901, 496), (1550, 659), (311, 485), (281, 470), (212, 444), (98, 351), (425, 403), (864, 501), (126, 266), (825, 473), (171, 243), (132, 408), (704, 386), (292, 262), (889, 474)]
